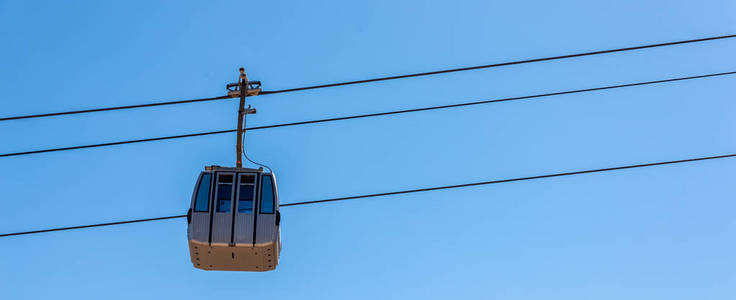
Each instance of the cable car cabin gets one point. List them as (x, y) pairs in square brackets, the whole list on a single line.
[(234, 220)]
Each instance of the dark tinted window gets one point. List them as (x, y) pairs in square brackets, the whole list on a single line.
[(226, 179), (245, 198), (248, 179), (201, 204), (267, 201), (224, 193)]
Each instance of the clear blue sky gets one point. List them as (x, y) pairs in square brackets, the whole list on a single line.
[(658, 233)]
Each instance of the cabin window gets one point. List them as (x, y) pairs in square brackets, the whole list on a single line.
[(267, 196), (224, 192), (201, 203), (246, 193)]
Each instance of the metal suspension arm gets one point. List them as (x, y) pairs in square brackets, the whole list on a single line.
[(243, 91)]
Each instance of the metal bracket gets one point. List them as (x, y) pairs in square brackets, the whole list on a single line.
[(249, 110), (254, 88)]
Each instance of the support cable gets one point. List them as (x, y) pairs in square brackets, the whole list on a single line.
[(374, 114), (403, 192), (113, 108), (518, 62)]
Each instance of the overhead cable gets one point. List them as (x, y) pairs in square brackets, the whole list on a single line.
[(517, 62), (455, 186), (509, 63), (373, 114), (113, 108)]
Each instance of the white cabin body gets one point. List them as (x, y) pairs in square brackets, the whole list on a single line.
[(234, 220)]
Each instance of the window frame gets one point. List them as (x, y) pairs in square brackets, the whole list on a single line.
[(216, 200), (207, 197), (273, 195), (254, 199)]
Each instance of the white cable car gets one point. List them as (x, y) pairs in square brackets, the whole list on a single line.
[(234, 220)]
